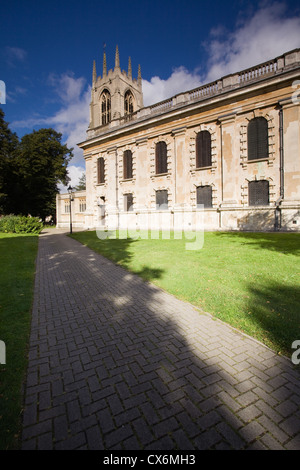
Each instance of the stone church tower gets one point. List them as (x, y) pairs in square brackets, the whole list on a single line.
[(115, 95)]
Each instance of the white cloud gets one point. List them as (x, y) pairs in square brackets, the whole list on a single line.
[(268, 33), (157, 89), (67, 87), (75, 173), (72, 119)]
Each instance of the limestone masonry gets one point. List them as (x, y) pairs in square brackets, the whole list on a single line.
[(224, 156)]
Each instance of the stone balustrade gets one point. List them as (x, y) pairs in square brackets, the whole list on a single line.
[(232, 81)]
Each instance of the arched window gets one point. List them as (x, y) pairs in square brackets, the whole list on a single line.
[(258, 193), (161, 165), (258, 139), (100, 171), (128, 103), (204, 196), (105, 107), (127, 164), (203, 149)]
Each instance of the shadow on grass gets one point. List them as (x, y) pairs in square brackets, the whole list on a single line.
[(118, 251), (276, 309), (286, 243)]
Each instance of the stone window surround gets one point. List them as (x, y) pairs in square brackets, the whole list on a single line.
[(120, 155), (211, 128), (169, 142), (244, 140), (153, 196), (244, 188), (204, 182), (96, 171)]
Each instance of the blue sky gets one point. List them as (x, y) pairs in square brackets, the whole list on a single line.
[(47, 49)]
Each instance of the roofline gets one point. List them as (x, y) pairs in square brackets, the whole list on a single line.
[(210, 99)]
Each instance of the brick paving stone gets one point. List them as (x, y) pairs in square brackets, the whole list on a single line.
[(30, 414), (82, 425), (209, 420), (294, 444), (149, 413), (269, 411), (94, 439), (232, 437), (30, 444), (273, 429), (60, 428), (249, 413), (116, 363), (252, 431), (117, 436), (45, 442), (72, 443), (165, 427), (142, 431), (271, 443), (208, 439), (291, 425), (165, 443), (247, 398)]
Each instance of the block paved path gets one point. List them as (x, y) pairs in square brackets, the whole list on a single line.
[(116, 363)]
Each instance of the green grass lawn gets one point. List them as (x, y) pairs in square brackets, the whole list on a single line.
[(249, 280), (17, 268)]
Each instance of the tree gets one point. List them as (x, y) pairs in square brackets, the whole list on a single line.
[(8, 145), (81, 186), (41, 164)]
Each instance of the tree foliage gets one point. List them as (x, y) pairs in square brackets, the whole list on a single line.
[(8, 145), (81, 186), (33, 168)]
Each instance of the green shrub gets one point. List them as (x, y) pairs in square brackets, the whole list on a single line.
[(20, 224), (8, 222)]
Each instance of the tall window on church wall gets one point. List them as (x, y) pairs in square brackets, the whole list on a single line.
[(105, 107), (161, 164), (128, 103), (203, 149), (100, 171), (258, 139), (127, 164)]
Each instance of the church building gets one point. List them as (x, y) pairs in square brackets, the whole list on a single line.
[(225, 155)]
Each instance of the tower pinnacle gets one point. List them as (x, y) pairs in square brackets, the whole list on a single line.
[(94, 73), (139, 76), (129, 68), (104, 64), (117, 59)]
